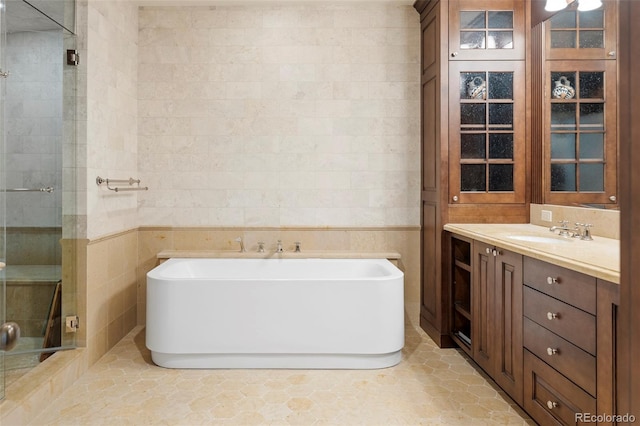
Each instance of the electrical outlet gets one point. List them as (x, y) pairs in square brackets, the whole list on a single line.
[(547, 216)]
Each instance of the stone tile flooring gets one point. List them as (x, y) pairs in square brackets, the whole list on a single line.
[(431, 386)]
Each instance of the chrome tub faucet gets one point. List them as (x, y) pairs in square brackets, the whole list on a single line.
[(239, 240)]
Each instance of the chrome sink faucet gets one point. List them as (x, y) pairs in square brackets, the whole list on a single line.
[(564, 231), (563, 228)]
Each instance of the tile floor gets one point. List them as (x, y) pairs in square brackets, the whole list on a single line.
[(431, 386)]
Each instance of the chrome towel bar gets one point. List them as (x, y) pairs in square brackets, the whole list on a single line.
[(48, 189), (130, 182)]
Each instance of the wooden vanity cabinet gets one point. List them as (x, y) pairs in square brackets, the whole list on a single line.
[(560, 342), (493, 286), (497, 325), (545, 334)]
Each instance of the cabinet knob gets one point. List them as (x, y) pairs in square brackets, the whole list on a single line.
[(613, 198), (552, 280), (551, 405), (612, 53), (454, 54), (455, 198), (552, 351), (551, 316)]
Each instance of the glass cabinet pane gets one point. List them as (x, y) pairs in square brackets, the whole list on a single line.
[(592, 146), (500, 40), (563, 146), (500, 177), (500, 116), (472, 40), (592, 116), (501, 145), (472, 19), (473, 145), (500, 85), (563, 177), (592, 19), (591, 39), (473, 85), (472, 177), (564, 19), (473, 115), (500, 19), (592, 85), (563, 39), (592, 177), (563, 116)]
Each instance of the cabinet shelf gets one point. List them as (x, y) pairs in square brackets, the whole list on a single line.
[(463, 265), (463, 310)]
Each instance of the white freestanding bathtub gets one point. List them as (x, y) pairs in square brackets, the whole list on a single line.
[(275, 313)]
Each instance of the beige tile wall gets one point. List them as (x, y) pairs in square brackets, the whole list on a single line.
[(111, 65), (111, 291), (280, 116), (404, 240)]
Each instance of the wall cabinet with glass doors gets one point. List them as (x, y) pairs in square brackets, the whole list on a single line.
[(580, 102), (487, 99)]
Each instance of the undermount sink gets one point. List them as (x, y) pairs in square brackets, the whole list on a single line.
[(538, 239)]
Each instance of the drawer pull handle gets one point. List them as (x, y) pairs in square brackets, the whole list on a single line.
[(551, 316), (552, 351), (552, 405), (552, 280)]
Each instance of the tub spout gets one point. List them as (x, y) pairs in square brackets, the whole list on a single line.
[(239, 240)]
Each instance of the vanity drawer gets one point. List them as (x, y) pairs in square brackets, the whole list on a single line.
[(571, 323), (578, 365), (564, 284), (549, 397)]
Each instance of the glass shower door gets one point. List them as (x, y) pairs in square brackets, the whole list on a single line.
[(38, 101), (3, 317)]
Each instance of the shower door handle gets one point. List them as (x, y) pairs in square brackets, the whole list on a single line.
[(9, 335)]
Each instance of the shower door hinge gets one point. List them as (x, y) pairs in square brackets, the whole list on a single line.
[(73, 58), (72, 322)]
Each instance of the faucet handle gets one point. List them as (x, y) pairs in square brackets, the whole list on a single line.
[(586, 235), (260, 246), (563, 223), (297, 243)]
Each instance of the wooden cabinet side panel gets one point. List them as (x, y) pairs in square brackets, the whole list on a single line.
[(483, 301), (607, 336), (509, 324)]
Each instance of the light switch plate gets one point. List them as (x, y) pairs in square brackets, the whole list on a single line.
[(546, 216)]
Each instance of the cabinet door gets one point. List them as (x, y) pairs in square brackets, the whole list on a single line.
[(572, 34), (508, 323), (486, 29), (581, 146), (483, 300), (487, 132)]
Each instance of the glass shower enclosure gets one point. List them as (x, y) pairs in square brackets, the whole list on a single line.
[(37, 157)]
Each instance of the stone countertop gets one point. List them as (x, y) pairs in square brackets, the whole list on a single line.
[(227, 254), (599, 258)]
